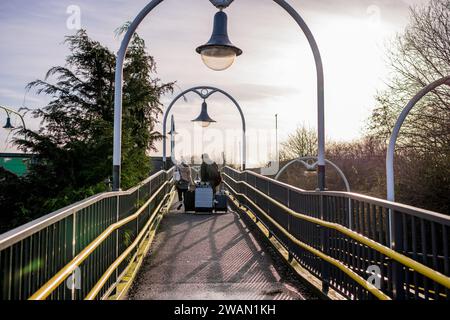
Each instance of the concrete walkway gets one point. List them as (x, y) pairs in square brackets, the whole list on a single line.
[(208, 257)]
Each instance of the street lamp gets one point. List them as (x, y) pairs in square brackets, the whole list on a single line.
[(395, 133), (205, 92), (220, 4), (204, 119), (219, 53), (8, 125), (394, 222)]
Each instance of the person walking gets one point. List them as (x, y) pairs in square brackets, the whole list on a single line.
[(209, 172), (183, 179)]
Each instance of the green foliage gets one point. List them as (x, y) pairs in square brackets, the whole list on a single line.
[(74, 144)]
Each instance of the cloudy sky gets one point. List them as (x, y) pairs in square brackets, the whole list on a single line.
[(276, 73)]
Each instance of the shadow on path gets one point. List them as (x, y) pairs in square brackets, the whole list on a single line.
[(204, 257)]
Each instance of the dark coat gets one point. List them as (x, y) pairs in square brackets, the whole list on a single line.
[(210, 173)]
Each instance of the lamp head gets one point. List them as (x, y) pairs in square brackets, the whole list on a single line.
[(219, 53), (221, 4), (204, 119), (8, 125)]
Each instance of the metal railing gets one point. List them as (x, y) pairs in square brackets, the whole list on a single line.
[(33, 254), (343, 246)]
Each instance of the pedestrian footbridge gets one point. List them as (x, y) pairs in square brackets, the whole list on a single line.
[(276, 242)]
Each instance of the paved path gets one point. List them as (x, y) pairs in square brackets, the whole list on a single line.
[(204, 257)]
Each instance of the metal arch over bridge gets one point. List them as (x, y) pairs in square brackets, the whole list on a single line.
[(117, 146), (302, 161), (205, 92)]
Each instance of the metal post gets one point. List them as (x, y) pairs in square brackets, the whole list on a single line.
[(117, 148), (325, 244), (172, 141), (320, 90), (276, 139)]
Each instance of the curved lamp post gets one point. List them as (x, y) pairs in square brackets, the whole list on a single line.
[(220, 4), (390, 177), (313, 166), (391, 150), (205, 92), (8, 125)]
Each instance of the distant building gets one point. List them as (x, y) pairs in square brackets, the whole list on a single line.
[(16, 163)]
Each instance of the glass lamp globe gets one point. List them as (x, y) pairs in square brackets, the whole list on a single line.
[(219, 53), (205, 124)]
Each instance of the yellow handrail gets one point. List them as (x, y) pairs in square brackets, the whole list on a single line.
[(51, 285), (360, 280), (99, 285), (406, 261)]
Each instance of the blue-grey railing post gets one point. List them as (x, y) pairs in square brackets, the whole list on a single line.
[(116, 275), (397, 268), (324, 239), (74, 250), (290, 218)]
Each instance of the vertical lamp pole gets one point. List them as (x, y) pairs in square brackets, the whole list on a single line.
[(172, 140), (276, 139)]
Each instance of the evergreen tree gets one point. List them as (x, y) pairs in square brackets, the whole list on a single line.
[(74, 145)]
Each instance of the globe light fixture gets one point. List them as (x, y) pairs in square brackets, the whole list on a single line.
[(204, 119), (8, 125), (219, 53)]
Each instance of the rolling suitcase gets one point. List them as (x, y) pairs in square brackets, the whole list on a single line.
[(189, 201), (204, 198), (221, 203)]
